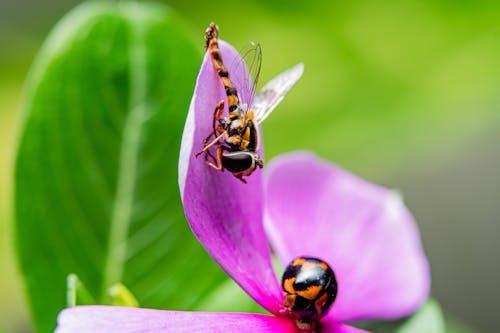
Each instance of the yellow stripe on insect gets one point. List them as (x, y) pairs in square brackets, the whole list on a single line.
[(310, 293), (288, 285)]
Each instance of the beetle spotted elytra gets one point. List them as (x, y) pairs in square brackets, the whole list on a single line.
[(310, 289)]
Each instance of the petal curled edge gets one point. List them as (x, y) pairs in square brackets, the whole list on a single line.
[(223, 213), (111, 319), (362, 230)]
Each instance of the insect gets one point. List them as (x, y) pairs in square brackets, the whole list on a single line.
[(236, 135), (310, 289)]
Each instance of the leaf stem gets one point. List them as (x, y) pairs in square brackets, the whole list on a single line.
[(123, 203)]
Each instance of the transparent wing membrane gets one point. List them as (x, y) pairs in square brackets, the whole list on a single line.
[(274, 91), (251, 60)]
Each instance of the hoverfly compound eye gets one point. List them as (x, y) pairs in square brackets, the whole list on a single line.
[(238, 162), (310, 289)]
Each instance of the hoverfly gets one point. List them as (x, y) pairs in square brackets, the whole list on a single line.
[(236, 135)]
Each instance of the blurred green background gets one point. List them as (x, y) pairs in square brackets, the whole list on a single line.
[(406, 94)]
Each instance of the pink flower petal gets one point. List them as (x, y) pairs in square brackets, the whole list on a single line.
[(112, 319), (334, 327), (362, 230), (224, 213)]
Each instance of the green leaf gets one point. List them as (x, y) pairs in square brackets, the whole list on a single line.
[(428, 319), (454, 325), (77, 294), (96, 189), (228, 296), (121, 296)]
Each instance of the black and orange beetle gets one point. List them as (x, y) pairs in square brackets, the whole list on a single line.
[(310, 289)]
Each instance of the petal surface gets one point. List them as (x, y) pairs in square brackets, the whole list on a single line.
[(362, 230), (225, 214), (334, 327), (111, 319)]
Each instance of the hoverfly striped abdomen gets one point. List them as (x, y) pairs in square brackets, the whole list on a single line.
[(212, 44)]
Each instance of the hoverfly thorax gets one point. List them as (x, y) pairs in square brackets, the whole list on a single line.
[(235, 136)]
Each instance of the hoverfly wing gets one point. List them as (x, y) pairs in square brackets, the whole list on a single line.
[(274, 91), (250, 62)]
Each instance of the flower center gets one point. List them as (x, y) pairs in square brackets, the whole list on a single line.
[(310, 289)]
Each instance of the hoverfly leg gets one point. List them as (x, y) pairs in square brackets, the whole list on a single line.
[(219, 109), (240, 177), (207, 146), (209, 157), (216, 118), (218, 166)]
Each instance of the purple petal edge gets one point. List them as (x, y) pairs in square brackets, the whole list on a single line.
[(111, 319), (362, 230), (223, 213)]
